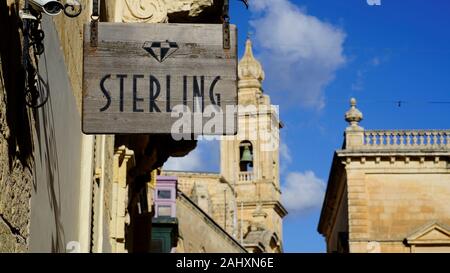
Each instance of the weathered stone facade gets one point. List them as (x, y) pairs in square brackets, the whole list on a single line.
[(16, 159), (56, 184), (199, 232), (70, 31), (388, 191)]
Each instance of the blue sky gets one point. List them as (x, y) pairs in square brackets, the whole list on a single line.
[(317, 55)]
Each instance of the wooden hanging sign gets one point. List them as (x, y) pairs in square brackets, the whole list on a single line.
[(157, 78)]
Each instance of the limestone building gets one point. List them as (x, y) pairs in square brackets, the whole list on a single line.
[(61, 190), (388, 191), (244, 198)]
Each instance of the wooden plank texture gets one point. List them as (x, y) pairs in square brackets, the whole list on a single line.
[(139, 73)]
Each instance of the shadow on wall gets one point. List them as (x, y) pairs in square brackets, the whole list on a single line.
[(49, 158), (19, 119), (16, 154), (19, 136), (57, 134)]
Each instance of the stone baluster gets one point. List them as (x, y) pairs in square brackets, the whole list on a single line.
[(388, 138), (396, 140), (441, 139), (414, 138), (393, 139), (435, 138), (428, 138), (408, 138), (403, 140), (385, 137), (372, 139), (448, 139), (421, 138)]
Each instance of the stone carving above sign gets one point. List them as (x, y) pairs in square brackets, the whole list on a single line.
[(192, 7), (159, 11), (144, 11)]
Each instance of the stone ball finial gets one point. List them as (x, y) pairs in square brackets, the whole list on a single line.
[(353, 116), (250, 68)]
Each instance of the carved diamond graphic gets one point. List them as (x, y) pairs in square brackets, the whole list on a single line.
[(160, 50)]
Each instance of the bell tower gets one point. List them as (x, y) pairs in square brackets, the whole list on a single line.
[(250, 162)]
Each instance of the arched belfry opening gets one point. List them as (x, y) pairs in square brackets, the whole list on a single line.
[(246, 156)]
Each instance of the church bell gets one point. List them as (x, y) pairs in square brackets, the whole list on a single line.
[(246, 155)]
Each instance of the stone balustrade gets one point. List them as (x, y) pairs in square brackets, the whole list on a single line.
[(406, 139), (245, 176)]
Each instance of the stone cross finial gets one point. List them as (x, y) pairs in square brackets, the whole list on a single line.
[(353, 116)]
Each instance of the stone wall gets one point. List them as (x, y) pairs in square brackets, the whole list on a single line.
[(199, 233), (400, 203), (340, 226), (399, 197), (107, 192), (70, 32), (395, 203), (16, 159), (18, 178), (46, 163), (102, 192)]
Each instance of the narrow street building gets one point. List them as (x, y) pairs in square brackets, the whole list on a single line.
[(62, 190), (388, 191)]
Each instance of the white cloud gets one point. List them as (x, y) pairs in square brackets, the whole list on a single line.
[(375, 61), (188, 163), (205, 157), (285, 157), (300, 53), (285, 153), (358, 85), (302, 191), (361, 73)]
